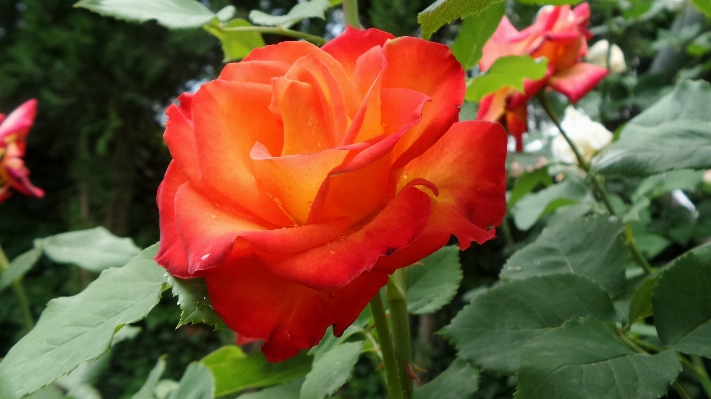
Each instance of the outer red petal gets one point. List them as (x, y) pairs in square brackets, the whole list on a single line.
[(468, 167), (577, 80), (289, 317), (337, 263), (171, 253), (180, 137), (254, 71), (431, 69), (353, 43)]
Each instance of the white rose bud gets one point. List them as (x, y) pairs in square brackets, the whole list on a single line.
[(589, 136), (597, 54)]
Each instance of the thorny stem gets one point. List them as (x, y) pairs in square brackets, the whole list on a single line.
[(599, 186), (350, 13), (386, 346), (19, 293), (276, 31), (397, 302), (621, 335)]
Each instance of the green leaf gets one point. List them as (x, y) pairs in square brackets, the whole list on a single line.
[(704, 6), (290, 390), (76, 329), (234, 371), (584, 359), (681, 306), (674, 133), (527, 182), (236, 45), (641, 303), (197, 383), (146, 391), (330, 341), (509, 71), (51, 392), (531, 207), (172, 14), (194, 302), (307, 9), (589, 247), (460, 380), (331, 371), (473, 34), (19, 266), (442, 12), (492, 330), (93, 249), (433, 283)]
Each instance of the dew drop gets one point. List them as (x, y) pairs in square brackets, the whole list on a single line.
[(213, 216), (205, 256), (332, 252)]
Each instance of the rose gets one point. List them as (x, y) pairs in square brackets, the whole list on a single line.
[(13, 131), (559, 34), (302, 177), (588, 136)]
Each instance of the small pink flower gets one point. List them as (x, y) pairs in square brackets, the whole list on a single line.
[(13, 130)]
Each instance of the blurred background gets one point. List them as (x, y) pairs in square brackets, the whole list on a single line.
[(97, 150)]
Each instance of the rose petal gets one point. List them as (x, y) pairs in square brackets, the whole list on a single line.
[(229, 118), (171, 253), (253, 71), (467, 167), (431, 69), (577, 80), (180, 137), (289, 317), (336, 264), (516, 124), (351, 44), (19, 122)]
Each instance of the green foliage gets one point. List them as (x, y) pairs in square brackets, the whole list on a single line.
[(527, 182), (197, 383), (641, 303), (236, 45), (681, 306), (507, 71), (146, 391), (553, 366), (590, 248), (235, 371), (194, 302), (675, 133), (460, 380), (169, 13), (289, 390), (93, 249), (491, 331), (442, 12), (19, 266), (307, 9), (331, 371), (475, 31), (551, 2), (704, 6), (434, 283), (80, 328), (531, 207)]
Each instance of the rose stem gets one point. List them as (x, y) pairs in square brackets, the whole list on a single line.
[(350, 13), (599, 186), (19, 293), (386, 345), (276, 31), (401, 328)]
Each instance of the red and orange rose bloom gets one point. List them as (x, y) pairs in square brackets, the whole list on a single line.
[(560, 34), (13, 131), (303, 176)]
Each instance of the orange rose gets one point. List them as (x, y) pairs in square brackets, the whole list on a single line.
[(13, 130), (302, 177), (559, 34)]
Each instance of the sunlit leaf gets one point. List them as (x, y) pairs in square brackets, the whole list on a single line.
[(236, 45), (169, 13), (509, 71), (302, 10), (76, 329), (442, 12), (476, 29)]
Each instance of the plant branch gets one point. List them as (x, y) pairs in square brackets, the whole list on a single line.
[(386, 346), (397, 301), (599, 185), (275, 30), (350, 13), (702, 374), (20, 294)]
